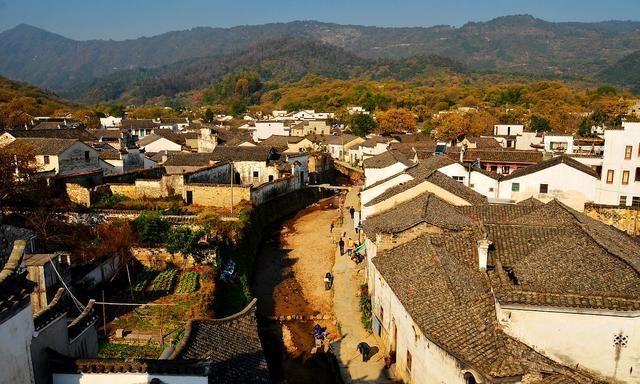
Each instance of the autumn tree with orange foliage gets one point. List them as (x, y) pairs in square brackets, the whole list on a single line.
[(396, 120), (17, 172), (450, 126)]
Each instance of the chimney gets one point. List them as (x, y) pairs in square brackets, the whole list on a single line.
[(483, 253), (462, 151)]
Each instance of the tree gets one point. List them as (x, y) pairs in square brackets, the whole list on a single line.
[(397, 120), (17, 172), (151, 228), (208, 115), (451, 126), (362, 124), (182, 239), (540, 124), (481, 123)]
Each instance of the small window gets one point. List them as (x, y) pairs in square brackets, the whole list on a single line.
[(46, 159), (256, 174), (610, 176), (86, 156), (638, 174), (625, 177), (635, 201), (506, 169), (270, 178), (494, 168), (381, 314), (459, 179), (409, 360), (544, 188), (627, 152), (515, 187), (623, 200), (491, 189)]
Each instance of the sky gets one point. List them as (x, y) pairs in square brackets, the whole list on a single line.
[(126, 19)]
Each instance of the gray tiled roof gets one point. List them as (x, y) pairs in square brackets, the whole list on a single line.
[(41, 146), (551, 163), (231, 344), (386, 159)]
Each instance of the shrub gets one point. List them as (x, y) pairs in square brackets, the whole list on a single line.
[(111, 200), (182, 239), (151, 228), (365, 307)]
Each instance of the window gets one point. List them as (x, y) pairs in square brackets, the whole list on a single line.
[(459, 179), (625, 177), (635, 201), (409, 360), (491, 189), (256, 174), (558, 145), (623, 201), (469, 378), (46, 159), (610, 176), (506, 169), (515, 187), (544, 188), (381, 314), (627, 152), (638, 174), (86, 156), (270, 178), (494, 168)]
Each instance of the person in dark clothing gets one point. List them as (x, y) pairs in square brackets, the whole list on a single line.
[(331, 228), (341, 244), (364, 350), (352, 211)]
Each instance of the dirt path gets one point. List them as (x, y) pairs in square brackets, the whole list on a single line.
[(288, 280)]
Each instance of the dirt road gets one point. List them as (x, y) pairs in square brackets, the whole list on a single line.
[(288, 280)]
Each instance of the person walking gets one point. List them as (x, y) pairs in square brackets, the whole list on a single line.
[(364, 350), (331, 227), (341, 244), (352, 211)]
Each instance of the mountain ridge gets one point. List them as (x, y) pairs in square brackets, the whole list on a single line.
[(516, 43)]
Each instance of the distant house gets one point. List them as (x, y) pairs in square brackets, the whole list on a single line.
[(174, 123), (110, 122), (337, 146), (384, 165), (288, 144), (371, 146), (311, 127), (497, 160), (267, 128), (140, 127), (156, 143)]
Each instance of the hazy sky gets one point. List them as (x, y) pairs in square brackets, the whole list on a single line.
[(123, 19)]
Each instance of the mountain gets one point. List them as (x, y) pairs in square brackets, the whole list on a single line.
[(624, 71), (283, 60), (518, 43)]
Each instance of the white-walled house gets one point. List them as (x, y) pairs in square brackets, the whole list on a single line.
[(620, 178), (561, 177), (110, 122), (60, 156), (558, 143), (480, 180), (267, 128), (154, 143), (384, 165), (524, 299)]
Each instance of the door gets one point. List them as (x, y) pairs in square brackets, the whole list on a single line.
[(189, 197)]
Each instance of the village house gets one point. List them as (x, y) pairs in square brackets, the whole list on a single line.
[(510, 280), (561, 177), (501, 161), (514, 136), (26, 335), (288, 144), (262, 130), (372, 146), (311, 127), (384, 165), (337, 146), (174, 123), (155, 143), (60, 156), (140, 128), (110, 122)]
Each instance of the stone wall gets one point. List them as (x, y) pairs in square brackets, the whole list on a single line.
[(269, 191), (216, 195), (128, 190), (624, 218), (160, 258), (78, 194), (150, 189)]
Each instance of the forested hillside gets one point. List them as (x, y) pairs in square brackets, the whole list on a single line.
[(521, 44)]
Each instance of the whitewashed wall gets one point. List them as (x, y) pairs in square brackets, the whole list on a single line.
[(373, 175), (584, 338), (15, 341), (124, 378)]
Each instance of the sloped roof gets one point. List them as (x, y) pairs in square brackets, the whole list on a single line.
[(14, 286), (280, 142), (437, 280), (66, 133), (425, 208), (233, 136), (231, 344), (563, 159), (484, 142), (257, 153), (387, 159), (41, 146), (498, 155), (139, 123)]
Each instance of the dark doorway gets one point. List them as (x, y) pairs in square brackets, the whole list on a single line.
[(189, 197)]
